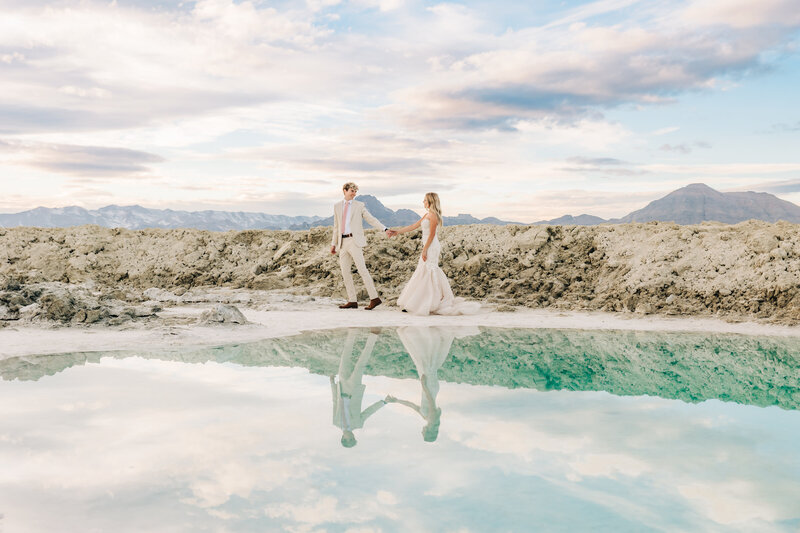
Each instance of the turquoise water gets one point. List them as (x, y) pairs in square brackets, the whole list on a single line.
[(483, 430)]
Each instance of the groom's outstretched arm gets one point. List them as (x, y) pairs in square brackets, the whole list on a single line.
[(374, 222), (369, 411)]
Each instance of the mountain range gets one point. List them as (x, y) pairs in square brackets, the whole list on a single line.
[(692, 204), (698, 203), (138, 217)]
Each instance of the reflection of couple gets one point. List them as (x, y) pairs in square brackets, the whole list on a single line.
[(428, 348), (348, 392), (428, 291)]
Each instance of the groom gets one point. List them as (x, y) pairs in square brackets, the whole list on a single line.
[(348, 239)]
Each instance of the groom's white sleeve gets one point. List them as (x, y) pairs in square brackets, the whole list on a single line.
[(374, 222)]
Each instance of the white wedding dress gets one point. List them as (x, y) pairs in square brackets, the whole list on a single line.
[(428, 291)]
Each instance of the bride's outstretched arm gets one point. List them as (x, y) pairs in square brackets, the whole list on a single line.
[(415, 407), (412, 227)]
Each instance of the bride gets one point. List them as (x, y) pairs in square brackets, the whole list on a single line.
[(428, 291)]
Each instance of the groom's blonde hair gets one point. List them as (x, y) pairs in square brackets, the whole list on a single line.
[(349, 186), (434, 205)]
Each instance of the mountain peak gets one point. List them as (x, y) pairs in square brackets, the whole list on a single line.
[(698, 187), (698, 203)]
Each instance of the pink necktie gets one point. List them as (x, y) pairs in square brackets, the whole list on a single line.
[(344, 216)]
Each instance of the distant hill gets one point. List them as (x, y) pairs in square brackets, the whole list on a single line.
[(569, 220), (698, 202), (138, 217), (692, 204), (404, 217)]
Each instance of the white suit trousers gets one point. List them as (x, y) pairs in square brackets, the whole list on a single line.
[(351, 253)]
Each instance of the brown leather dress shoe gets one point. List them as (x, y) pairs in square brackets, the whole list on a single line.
[(375, 302), (349, 305)]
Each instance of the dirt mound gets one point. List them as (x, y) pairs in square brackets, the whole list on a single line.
[(748, 270)]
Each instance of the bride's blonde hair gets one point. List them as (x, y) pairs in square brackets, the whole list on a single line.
[(434, 205)]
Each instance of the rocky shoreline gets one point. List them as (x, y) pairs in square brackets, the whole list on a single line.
[(89, 274)]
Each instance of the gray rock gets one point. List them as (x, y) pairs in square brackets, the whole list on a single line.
[(7, 314), (30, 312), (148, 309), (282, 250), (475, 265), (222, 314), (95, 315), (160, 295), (58, 306)]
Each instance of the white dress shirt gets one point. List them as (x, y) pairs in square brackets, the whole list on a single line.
[(346, 227)]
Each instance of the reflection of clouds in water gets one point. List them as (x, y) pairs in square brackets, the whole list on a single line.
[(316, 509), (667, 449), (249, 445), (732, 502), (203, 427), (610, 465), (493, 436)]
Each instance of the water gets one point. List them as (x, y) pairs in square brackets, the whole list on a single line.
[(484, 430)]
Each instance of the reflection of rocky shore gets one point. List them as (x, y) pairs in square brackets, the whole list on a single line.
[(691, 367), (747, 270)]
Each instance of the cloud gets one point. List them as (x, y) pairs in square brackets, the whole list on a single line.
[(589, 133), (83, 161), (664, 131), (784, 127), (90, 92), (606, 165), (716, 170), (109, 66), (382, 5), (774, 187), (385, 160), (571, 70), (743, 13), (684, 148), (596, 161), (256, 201), (366, 164), (590, 10), (319, 5)]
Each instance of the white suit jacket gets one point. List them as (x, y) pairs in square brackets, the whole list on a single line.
[(356, 213)]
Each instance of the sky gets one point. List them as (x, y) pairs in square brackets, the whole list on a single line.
[(520, 110)]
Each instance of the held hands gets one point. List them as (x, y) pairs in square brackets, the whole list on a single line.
[(391, 233), (333, 249)]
